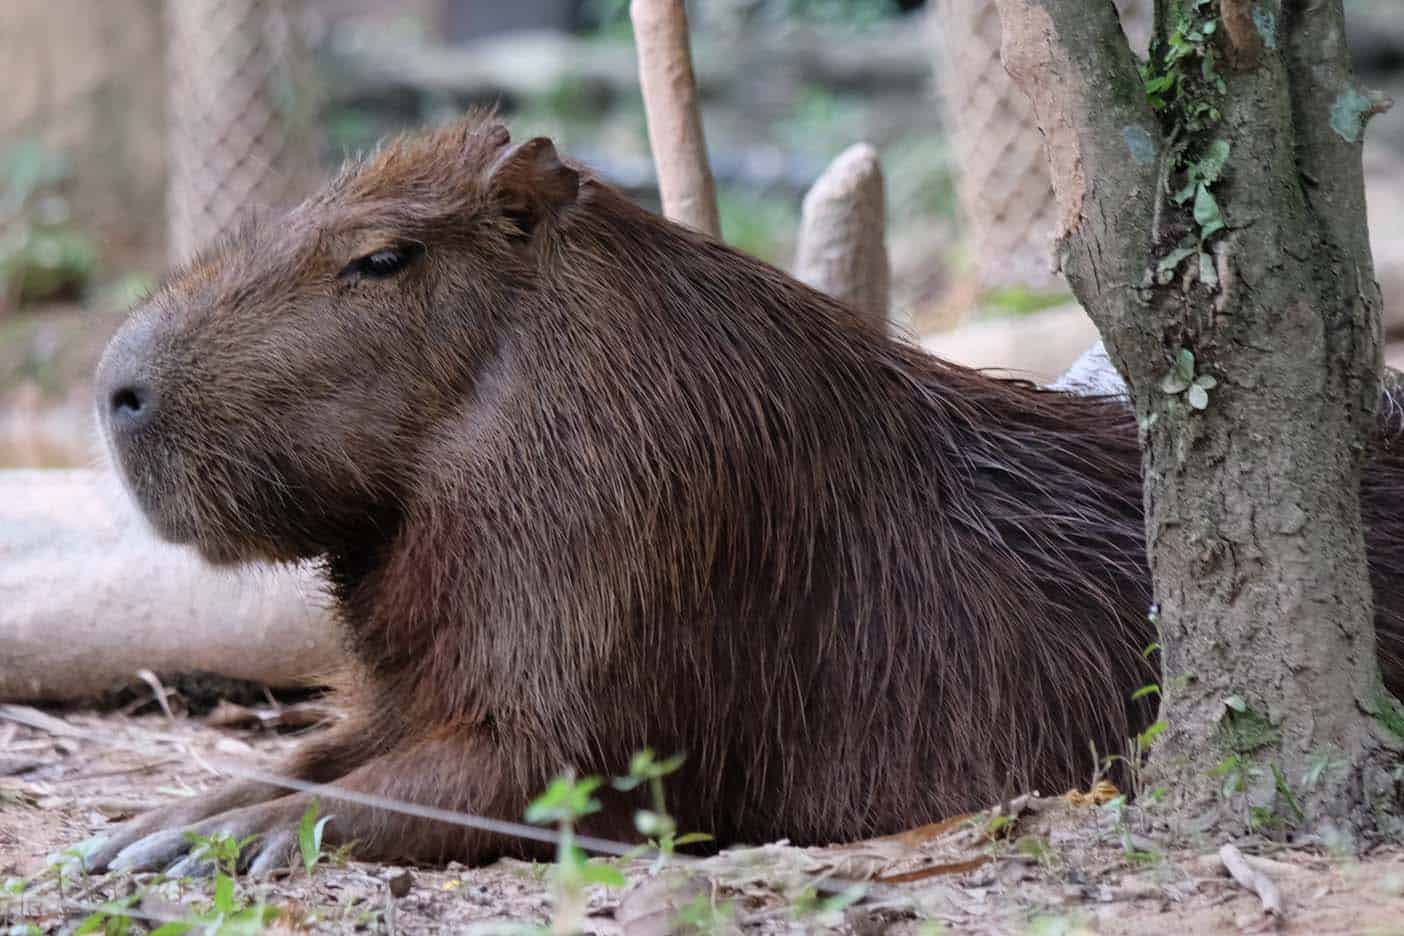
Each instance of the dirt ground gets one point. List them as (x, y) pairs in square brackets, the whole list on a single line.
[(1057, 868)]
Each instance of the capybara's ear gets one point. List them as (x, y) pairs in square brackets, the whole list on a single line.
[(530, 184)]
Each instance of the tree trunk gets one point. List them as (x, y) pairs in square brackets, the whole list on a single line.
[(1215, 230)]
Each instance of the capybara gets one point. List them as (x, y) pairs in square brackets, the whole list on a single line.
[(585, 481)]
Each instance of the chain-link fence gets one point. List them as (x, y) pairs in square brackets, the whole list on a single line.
[(1005, 193), (241, 114)]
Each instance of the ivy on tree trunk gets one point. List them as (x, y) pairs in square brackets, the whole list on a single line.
[(1213, 225)]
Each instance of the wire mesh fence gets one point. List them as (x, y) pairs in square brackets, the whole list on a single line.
[(1005, 194), (241, 112)]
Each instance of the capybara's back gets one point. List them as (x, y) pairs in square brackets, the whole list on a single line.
[(586, 482)]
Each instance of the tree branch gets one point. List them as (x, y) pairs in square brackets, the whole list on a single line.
[(1104, 147), (674, 118), (841, 240)]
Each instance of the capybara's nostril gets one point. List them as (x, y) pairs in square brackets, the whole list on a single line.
[(132, 407)]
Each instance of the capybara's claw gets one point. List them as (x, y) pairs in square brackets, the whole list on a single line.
[(155, 852), (267, 828), (274, 853), (194, 865), (83, 857)]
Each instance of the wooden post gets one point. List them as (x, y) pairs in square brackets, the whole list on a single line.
[(674, 118), (842, 250)]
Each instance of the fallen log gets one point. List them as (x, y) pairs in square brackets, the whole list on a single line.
[(88, 597)]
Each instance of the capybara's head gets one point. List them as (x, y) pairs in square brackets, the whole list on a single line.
[(268, 401)]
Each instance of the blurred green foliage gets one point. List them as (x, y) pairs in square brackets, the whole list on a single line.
[(822, 122), (1016, 300), (763, 226), (857, 14), (42, 254), (920, 172), (610, 18)]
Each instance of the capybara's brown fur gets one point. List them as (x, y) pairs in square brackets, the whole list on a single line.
[(587, 482)]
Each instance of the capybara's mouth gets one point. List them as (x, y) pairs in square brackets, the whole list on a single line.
[(152, 486), (155, 501)]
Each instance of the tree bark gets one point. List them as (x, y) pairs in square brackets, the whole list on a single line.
[(1254, 536), (842, 247), (674, 117)]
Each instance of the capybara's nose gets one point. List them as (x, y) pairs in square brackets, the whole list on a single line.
[(126, 393), (131, 405)]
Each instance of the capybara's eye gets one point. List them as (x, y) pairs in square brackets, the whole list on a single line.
[(383, 263)]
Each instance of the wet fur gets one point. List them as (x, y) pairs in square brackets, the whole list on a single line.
[(586, 482)]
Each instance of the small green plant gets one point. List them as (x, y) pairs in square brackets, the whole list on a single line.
[(1040, 850), (1172, 81), (1118, 807), (1244, 730), (221, 848), (1183, 379), (1268, 801), (1183, 86), (309, 837), (226, 914), (998, 826), (656, 824), (565, 802), (826, 911), (1389, 712), (42, 256), (112, 918), (14, 892), (705, 915)]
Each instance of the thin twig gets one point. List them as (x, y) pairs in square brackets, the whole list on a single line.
[(1252, 879), (160, 691)]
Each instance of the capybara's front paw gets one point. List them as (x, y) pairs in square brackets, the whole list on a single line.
[(269, 830), (99, 853)]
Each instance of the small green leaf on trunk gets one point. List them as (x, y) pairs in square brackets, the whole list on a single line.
[(1198, 397), (1181, 373), (1212, 164), (1206, 209), (1165, 269), (1172, 384), (1184, 364), (1236, 703)]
